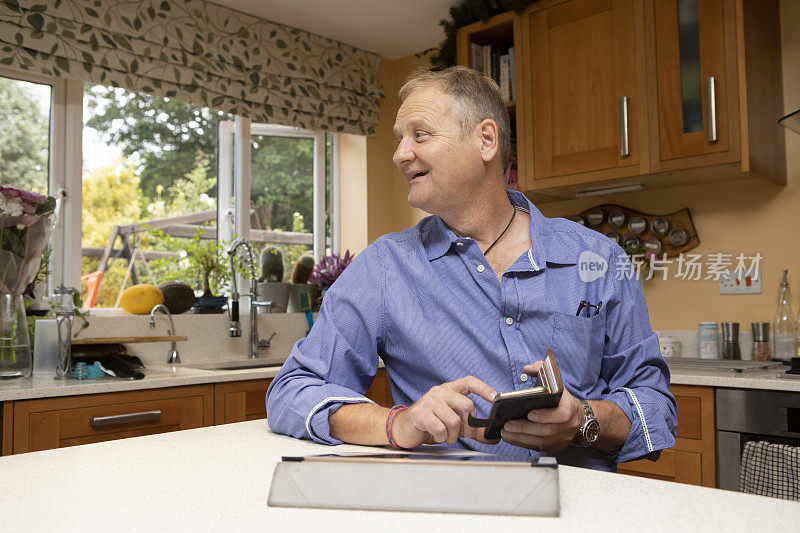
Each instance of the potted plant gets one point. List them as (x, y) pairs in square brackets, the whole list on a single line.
[(301, 273), (202, 263), (271, 287), (329, 268)]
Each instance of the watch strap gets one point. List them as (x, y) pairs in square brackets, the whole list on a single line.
[(589, 419)]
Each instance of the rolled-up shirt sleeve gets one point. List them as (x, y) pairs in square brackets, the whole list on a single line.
[(336, 363), (635, 371)]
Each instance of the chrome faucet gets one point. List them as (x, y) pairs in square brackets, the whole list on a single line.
[(235, 327), (173, 351)]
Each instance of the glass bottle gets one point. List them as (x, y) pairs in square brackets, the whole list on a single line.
[(784, 323)]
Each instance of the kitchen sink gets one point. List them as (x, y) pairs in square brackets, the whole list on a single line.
[(238, 364)]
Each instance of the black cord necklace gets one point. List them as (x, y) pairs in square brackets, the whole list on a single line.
[(504, 232)]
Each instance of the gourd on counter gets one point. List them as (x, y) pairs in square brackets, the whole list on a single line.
[(140, 299)]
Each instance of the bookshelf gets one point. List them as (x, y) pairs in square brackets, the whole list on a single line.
[(500, 36)]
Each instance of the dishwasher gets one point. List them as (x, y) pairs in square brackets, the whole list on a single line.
[(746, 415)]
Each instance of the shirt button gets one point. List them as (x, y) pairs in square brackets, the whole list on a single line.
[(459, 243), (509, 320), (523, 377), (481, 268)]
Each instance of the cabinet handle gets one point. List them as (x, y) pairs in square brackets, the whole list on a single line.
[(115, 420), (623, 127), (712, 110)]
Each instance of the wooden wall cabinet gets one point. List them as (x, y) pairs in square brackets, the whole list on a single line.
[(588, 91), (693, 458), (702, 79)]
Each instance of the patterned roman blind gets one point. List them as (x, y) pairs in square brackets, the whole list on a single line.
[(200, 53)]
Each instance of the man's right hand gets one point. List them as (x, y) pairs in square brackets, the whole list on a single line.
[(441, 415)]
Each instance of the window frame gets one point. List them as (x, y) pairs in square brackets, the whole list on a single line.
[(235, 162), (64, 172)]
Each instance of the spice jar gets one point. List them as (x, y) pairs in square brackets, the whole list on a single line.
[(761, 350)]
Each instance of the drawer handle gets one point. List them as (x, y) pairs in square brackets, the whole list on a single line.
[(712, 110), (624, 151), (115, 420)]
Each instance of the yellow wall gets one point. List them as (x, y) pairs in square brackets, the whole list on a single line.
[(387, 190), (744, 216)]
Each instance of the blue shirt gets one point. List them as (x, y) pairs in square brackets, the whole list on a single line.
[(428, 304)]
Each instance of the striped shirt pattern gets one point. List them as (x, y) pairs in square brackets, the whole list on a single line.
[(428, 304)]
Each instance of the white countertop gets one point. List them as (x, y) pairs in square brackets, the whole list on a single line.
[(762, 378), (156, 377), (217, 479), (159, 376)]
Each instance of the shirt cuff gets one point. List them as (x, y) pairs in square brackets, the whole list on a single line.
[(335, 396), (649, 432)]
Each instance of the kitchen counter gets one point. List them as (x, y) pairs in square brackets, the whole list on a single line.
[(156, 377), (762, 378), (159, 376), (217, 478)]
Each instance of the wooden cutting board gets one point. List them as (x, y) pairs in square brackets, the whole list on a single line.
[(127, 340)]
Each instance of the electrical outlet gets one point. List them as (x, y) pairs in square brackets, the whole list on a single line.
[(739, 282)]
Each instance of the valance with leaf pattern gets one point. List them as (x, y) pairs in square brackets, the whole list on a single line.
[(197, 52)]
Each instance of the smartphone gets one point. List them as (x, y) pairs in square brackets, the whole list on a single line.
[(516, 404)]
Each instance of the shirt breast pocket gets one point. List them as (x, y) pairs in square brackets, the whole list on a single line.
[(578, 346)]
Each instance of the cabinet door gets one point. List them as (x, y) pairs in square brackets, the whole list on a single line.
[(693, 79), (673, 465), (588, 90), (238, 401), (693, 459), (380, 392)]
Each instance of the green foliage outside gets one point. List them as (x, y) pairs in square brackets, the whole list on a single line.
[(164, 136), (282, 171), (24, 142)]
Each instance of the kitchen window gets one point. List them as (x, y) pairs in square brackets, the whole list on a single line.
[(112, 171)]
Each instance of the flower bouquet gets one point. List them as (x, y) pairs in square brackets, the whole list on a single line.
[(26, 221)]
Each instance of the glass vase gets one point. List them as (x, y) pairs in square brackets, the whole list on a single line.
[(15, 350)]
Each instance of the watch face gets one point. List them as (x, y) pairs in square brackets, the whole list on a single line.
[(592, 431)]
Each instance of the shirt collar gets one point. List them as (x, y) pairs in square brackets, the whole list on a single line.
[(439, 238)]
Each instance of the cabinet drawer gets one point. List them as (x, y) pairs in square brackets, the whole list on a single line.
[(60, 422)]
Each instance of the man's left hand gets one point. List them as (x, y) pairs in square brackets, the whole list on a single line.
[(545, 430)]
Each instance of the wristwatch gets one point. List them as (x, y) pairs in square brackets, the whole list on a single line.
[(589, 428)]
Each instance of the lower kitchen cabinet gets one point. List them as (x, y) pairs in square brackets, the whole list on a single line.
[(238, 401), (380, 392), (44, 424), (33, 425), (693, 458)]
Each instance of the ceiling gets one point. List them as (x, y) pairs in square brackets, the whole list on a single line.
[(390, 28)]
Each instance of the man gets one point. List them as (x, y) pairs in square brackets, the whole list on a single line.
[(466, 304)]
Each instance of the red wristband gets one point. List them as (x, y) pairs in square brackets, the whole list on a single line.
[(390, 420)]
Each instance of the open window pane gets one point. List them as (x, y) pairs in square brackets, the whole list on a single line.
[(149, 162), (25, 134), (281, 194)]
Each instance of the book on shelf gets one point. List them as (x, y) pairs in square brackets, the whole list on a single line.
[(512, 75), (505, 82), (487, 60), (476, 57)]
